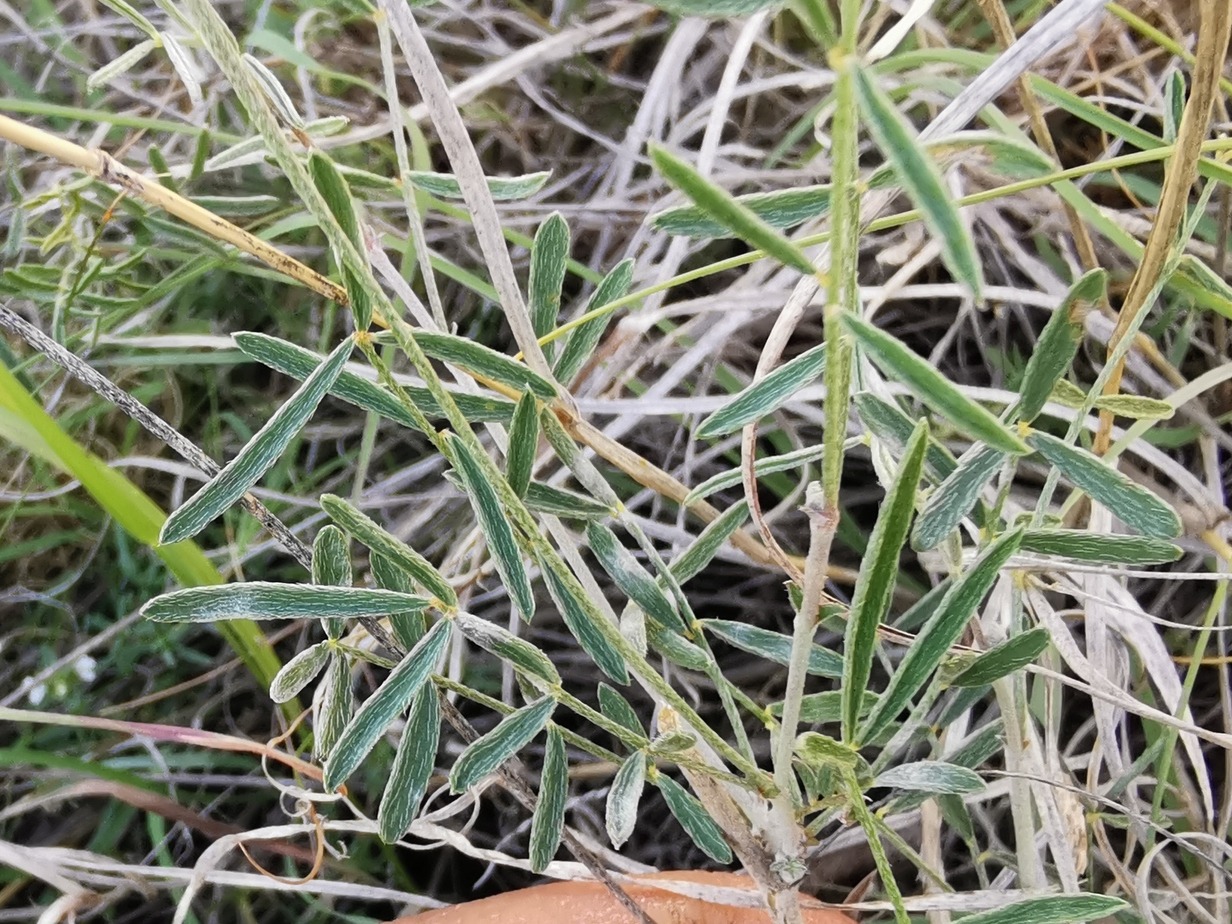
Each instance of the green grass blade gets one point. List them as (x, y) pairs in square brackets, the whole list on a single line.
[(548, 823), (695, 820), (549, 259), (940, 632), (515, 731), (768, 395), (878, 577), (1100, 548), (1009, 657), (1132, 503), (773, 646), (560, 502), (582, 342), (382, 707), (369, 533), (297, 673), (482, 361), (508, 647), (299, 363), (496, 528), (724, 209), (930, 387), (262, 451), (953, 498), (523, 441), (767, 465), (921, 181), (413, 763), (267, 600), (932, 776), (623, 798), (1058, 343), (27, 425)]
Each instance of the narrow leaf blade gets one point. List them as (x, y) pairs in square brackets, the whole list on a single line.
[(242, 472), (773, 646), (549, 258), (1100, 548), (932, 776), (579, 619), (928, 385), (477, 359), (297, 673), (764, 397), (623, 799), (496, 528), (878, 577), (505, 645), (953, 498), (1058, 343), (1132, 503), (584, 339), (695, 820), (380, 709), (413, 763), (266, 600), (1051, 909), (631, 577), (548, 823), (1010, 656), (515, 731), (523, 441)]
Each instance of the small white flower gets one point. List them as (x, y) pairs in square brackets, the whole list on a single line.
[(86, 668)]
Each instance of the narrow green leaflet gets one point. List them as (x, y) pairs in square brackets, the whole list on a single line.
[(878, 577), (502, 188), (930, 387), (1051, 909), (582, 342), (1010, 656), (825, 708), (1130, 502), (953, 498), (703, 549), (379, 540), (723, 208), (940, 632), (631, 577), (764, 466), (262, 451), (823, 752), (932, 776), (484, 362), (921, 180), (266, 600), (382, 707), (546, 498), (334, 707), (548, 823), (337, 195), (1100, 548), (331, 564), (677, 649), (514, 732), (693, 817), (623, 798), (523, 441), (495, 526), (890, 423), (505, 645), (773, 646), (408, 627), (781, 209), (713, 8), (579, 619), (549, 257), (613, 705), (299, 363), (297, 673), (1135, 407), (408, 778), (1058, 343), (764, 397)]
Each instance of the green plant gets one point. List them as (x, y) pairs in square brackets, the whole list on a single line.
[(509, 431)]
